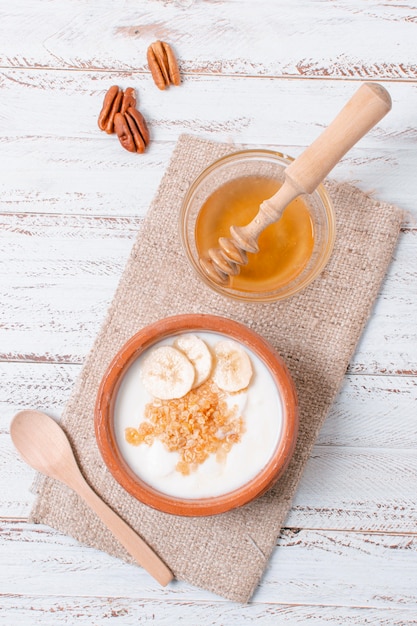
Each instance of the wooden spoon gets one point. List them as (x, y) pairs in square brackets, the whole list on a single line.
[(366, 107), (43, 444)]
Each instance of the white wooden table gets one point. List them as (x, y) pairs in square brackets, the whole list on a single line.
[(272, 74)]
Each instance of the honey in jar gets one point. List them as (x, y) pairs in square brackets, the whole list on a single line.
[(284, 247)]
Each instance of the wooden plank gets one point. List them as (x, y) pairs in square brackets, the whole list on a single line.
[(66, 164), (84, 611), (361, 474), (361, 471), (307, 567), (341, 488), (90, 177), (75, 263), (369, 412), (31, 291), (239, 40), (274, 111), (385, 343), (373, 412), (95, 176), (357, 488)]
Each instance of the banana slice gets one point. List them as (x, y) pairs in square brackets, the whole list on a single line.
[(197, 351), (167, 373), (233, 367)]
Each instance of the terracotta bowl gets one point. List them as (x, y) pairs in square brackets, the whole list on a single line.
[(105, 415)]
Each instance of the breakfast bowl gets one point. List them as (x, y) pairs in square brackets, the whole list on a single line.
[(196, 415), (292, 252)]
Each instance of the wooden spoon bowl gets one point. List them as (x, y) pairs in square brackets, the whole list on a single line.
[(42, 443)]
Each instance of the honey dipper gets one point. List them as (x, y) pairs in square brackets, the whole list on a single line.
[(366, 108)]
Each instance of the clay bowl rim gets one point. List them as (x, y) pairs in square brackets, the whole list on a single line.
[(107, 393)]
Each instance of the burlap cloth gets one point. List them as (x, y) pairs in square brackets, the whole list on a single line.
[(316, 333)]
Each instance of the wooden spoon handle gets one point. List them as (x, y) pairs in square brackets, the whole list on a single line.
[(367, 106), (134, 544)]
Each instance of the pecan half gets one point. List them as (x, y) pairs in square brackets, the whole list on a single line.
[(122, 130), (139, 128), (132, 130), (129, 100), (163, 65), (111, 106)]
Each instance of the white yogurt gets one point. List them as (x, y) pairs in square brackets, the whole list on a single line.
[(259, 405)]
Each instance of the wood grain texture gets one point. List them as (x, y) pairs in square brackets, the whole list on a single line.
[(93, 175), (351, 480), (100, 611), (71, 201), (355, 488), (346, 565), (370, 411), (75, 263), (64, 158), (304, 39)]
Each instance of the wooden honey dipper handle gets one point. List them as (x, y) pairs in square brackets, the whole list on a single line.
[(366, 108)]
